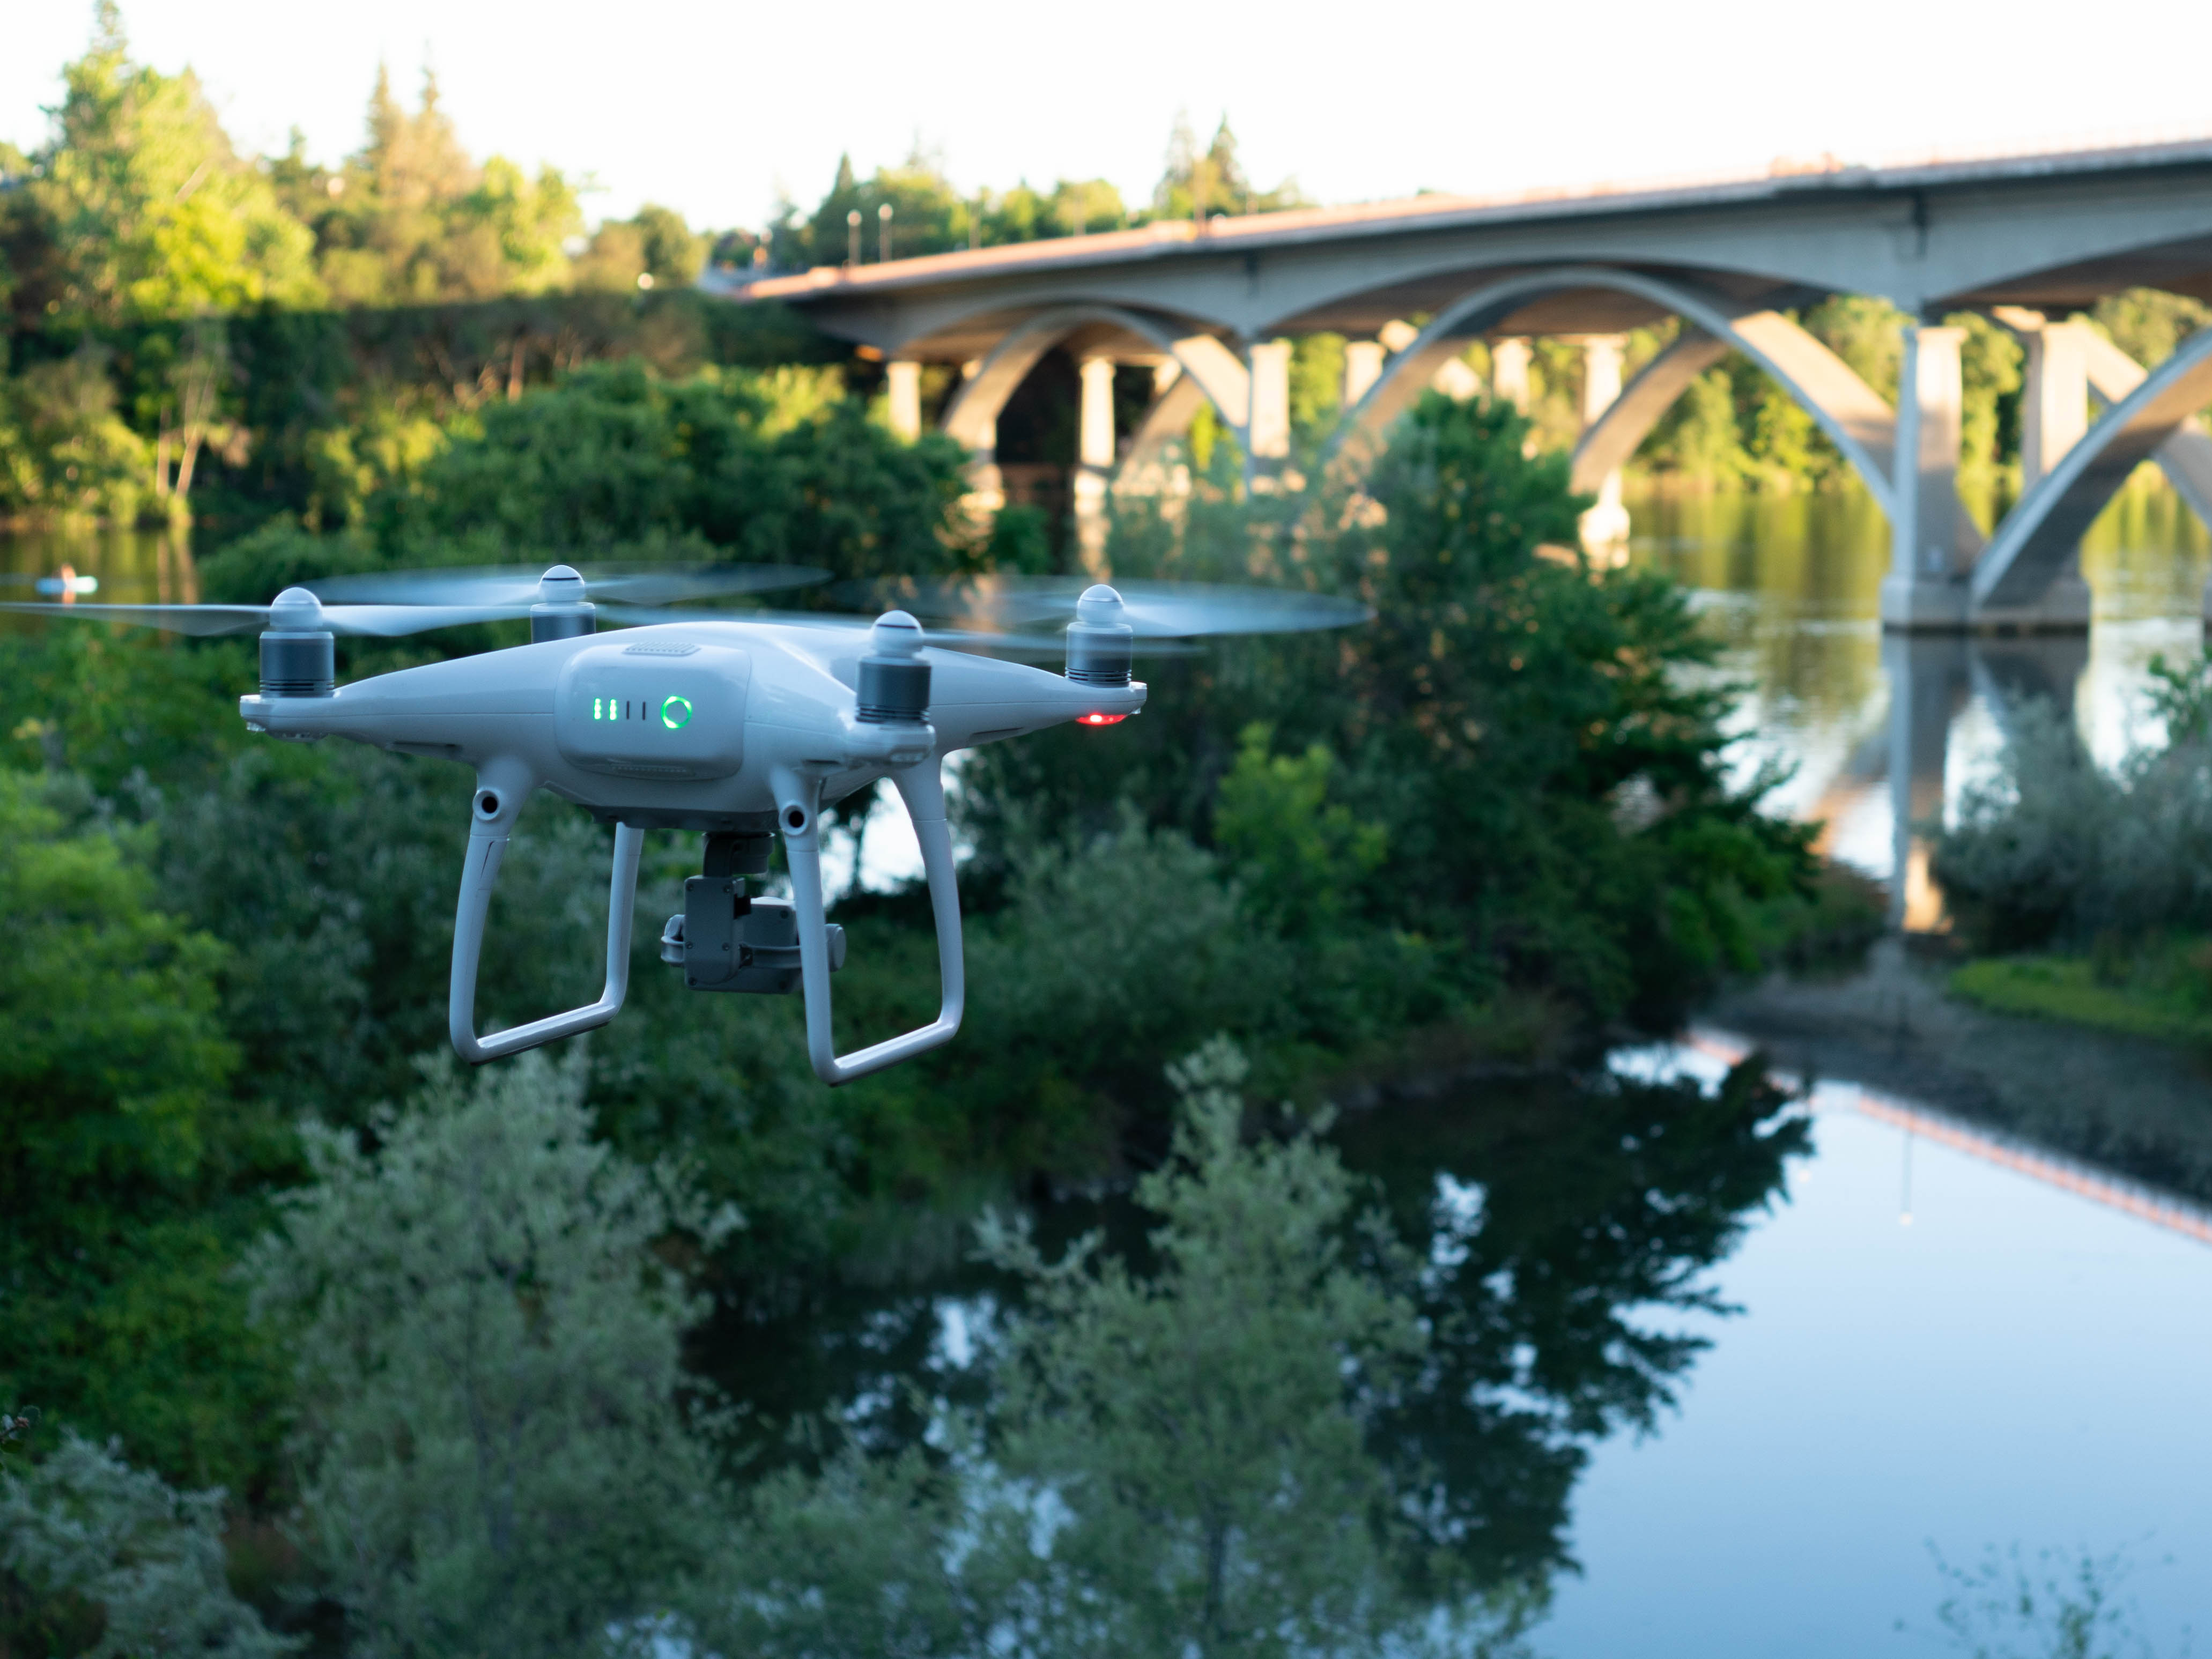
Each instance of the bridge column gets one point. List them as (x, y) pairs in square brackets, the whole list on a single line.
[(1094, 454), (2054, 416), (1509, 372), (1362, 367), (902, 384), (1268, 437), (1926, 587), (1604, 527), (986, 486)]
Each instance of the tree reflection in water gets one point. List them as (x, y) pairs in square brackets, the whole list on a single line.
[(1548, 1220), (1554, 1219)]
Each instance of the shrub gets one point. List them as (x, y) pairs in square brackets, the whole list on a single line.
[(104, 1559), (490, 1454), (2056, 849)]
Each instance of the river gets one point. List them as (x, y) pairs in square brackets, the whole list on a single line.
[(1946, 1337)]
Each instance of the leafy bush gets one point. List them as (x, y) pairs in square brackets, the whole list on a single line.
[(2056, 849), (99, 1558), (121, 1154), (492, 1457), (774, 468)]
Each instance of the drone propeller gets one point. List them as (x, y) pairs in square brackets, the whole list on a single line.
[(376, 621), (1039, 645), (1153, 610), (522, 585), (1105, 629)]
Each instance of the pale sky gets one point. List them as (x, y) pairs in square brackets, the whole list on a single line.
[(712, 107)]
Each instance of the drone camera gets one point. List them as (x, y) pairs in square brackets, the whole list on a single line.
[(724, 940)]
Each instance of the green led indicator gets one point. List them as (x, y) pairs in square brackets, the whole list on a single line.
[(598, 709), (676, 713)]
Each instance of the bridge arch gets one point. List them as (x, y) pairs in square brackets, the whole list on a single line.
[(1210, 372), (2041, 533), (1854, 416)]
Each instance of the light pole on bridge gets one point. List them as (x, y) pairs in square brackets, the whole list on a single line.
[(883, 233), (852, 237)]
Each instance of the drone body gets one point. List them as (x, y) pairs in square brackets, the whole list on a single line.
[(740, 729)]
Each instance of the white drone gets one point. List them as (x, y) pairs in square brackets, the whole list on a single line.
[(743, 726)]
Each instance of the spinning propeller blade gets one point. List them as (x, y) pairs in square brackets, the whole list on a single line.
[(379, 621), (636, 584), (1153, 611), (1040, 646)]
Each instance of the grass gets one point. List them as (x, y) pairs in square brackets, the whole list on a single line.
[(2162, 990)]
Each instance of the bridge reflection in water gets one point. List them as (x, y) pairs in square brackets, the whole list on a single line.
[(1882, 732), (2054, 1169)]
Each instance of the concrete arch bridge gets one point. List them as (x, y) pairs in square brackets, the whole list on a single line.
[(1211, 309)]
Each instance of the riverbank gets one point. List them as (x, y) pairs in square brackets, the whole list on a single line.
[(2140, 1107)]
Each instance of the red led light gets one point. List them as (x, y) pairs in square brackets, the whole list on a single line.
[(1100, 719)]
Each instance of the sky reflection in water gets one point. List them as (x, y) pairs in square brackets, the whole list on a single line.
[(2017, 1363)]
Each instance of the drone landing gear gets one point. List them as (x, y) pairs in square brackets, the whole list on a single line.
[(798, 816), (497, 802)]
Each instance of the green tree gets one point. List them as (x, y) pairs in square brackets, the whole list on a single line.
[(2148, 323), (764, 466), (491, 1458), (1175, 1460), (64, 450), (1303, 856), (98, 1559), (412, 218), (121, 1154), (151, 210), (1202, 1431), (1527, 717), (1197, 183)]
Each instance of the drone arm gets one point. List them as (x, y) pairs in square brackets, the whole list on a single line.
[(922, 788), (488, 839)]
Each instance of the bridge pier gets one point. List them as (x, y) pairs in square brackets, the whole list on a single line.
[(1931, 679), (1268, 433), (903, 389), (1509, 372), (1604, 527), (1932, 542), (1362, 367), (1094, 459)]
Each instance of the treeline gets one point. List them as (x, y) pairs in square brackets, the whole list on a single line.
[(929, 215), (196, 332)]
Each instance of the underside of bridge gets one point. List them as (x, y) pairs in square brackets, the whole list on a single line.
[(1211, 311)]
